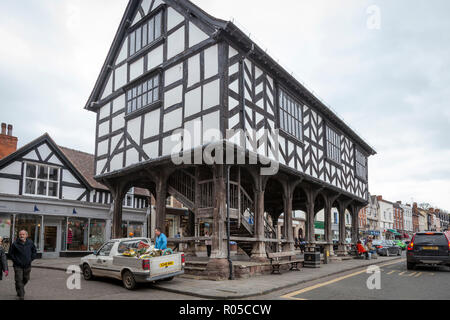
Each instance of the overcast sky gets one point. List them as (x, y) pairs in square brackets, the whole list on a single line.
[(388, 78)]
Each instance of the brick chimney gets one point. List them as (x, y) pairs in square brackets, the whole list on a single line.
[(8, 143)]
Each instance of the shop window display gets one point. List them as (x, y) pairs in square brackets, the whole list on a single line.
[(97, 234), (5, 230), (77, 234), (135, 228), (32, 225)]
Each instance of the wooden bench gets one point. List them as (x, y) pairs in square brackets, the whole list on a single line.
[(276, 260)]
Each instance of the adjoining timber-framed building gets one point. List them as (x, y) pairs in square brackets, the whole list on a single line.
[(172, 66)]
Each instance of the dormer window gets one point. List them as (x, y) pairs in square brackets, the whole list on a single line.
[(145, 34), (361, 165), (143, 94), (333, 146), (41, 180), (290, 116)]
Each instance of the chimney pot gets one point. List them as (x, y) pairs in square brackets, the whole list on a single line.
[(3, 128), (10, 128)]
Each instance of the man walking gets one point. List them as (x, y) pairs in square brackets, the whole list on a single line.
[(161, 240), (22, 253)]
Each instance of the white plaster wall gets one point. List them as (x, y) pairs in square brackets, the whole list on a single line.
[(118, 122), (173, 120), (134, 129), (120, 77), (13, 168), (173, 74), (102, 148), (103, 129), (173, 97), (175, 43), (173, 18), (193, 70), (196, 35), (108, 88), (211, 94), (9, 186), (155, 57), (105, 111), (211, 61), (151, 122), (118, 104), (193, 102), (70, 193), (152, 149), (136, 69), (68, 177), (132, 157), (117, 162)]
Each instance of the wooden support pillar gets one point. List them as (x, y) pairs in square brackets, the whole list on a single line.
[(342, 250), (355, 224), (328, 232), (259, 249), (288, 233), (161, 196), (118, 193), (219, 245)]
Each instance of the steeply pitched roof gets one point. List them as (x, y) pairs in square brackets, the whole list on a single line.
[(81, 163), (236, 36), (85, 164)]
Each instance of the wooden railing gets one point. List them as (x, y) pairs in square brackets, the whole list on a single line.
[(206, 194), (184, 183)]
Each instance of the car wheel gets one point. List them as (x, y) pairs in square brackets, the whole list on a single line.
[(128, 280), (410, 266), (87, 272)]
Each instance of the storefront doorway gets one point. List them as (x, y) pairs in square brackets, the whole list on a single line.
[(52, 242)]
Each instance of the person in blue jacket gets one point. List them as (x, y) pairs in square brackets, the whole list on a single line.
[(161, 240)]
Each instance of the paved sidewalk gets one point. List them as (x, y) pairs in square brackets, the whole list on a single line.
[(241, 288)]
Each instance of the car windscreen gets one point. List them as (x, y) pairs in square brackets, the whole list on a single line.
[(431, 239), (129, 244)]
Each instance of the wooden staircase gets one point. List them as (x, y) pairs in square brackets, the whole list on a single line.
[(182, 186)]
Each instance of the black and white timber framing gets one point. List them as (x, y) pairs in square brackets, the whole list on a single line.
[(213, 75)]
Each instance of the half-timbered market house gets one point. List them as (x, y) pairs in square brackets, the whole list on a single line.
[(172, 66)]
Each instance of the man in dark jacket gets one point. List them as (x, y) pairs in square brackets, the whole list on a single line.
[(22, 253)]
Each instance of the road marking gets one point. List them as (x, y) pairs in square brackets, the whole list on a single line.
[(391, 272), (402, 273), (418, 275), (431, 274), (319, 285), (412, 274)]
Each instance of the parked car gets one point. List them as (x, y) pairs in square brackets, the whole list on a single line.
[(401, 244), (110, 262), (387, 248), (430, 248)]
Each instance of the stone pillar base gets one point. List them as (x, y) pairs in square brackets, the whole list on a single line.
[(259, 251), (288, 247), (218, 269), (342, 251), (189, 249), (329, 248)]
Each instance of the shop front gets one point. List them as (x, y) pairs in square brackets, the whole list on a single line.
[(62, 228)]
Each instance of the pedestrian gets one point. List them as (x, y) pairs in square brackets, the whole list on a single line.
[(178, 236), (161, 240), (22, 253), (362, 250), (3, 261), (208, 243)]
